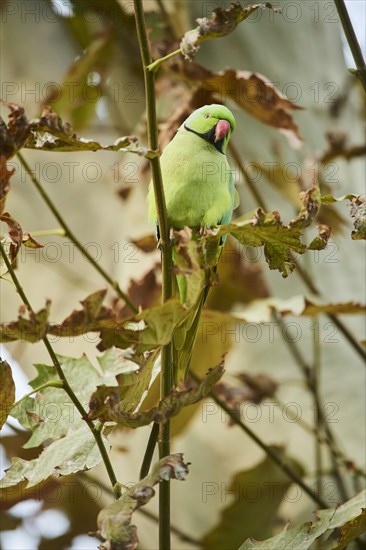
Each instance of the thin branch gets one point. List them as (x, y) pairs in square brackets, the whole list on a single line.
[(233, 414), (73, 238), (308, 375), (66, 386), (49, 384), (149, 452), (360, 73), (166, 378), (154, 66), (318, 421), (299, 270)]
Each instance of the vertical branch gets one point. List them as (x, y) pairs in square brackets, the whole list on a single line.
[(166, 355), (352, 41)]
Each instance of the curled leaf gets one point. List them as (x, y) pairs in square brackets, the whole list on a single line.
[(321, 240), (310, 208), (50, 133), (267, 230), (342, 525), (358, 213), (7, 391), (221, 22), (106, 403), (15, 134), (114, 522)]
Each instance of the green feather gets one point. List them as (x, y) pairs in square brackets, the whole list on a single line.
[(199, 192)]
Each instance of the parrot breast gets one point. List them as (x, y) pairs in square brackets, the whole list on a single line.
[(196, 181)]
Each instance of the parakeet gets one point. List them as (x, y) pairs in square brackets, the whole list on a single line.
[(199, 193), (198, 183)]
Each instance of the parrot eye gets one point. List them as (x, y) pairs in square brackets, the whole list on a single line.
[(206, 116)]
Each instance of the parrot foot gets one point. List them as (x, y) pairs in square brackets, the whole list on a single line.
[(204, 231)]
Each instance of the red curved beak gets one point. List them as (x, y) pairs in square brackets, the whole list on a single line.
[(222, 129)]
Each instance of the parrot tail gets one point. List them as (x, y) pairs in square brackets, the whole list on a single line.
[(184, 338)]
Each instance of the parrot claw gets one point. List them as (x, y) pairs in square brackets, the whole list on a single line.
[(205, 231)]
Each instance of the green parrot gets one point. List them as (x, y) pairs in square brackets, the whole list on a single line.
[(199, 193)]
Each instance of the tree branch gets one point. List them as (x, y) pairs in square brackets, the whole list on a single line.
[(66, 386), (233, 414), (360, 73), (166, 377)]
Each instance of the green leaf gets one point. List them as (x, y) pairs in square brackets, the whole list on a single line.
[(345, 523), (76, 452), (51, 415), (105, 404), (222, 22), (114, 522), (267, 230), (129, 386), (329, 199), (259, 493), (149, 330), (7, 391)]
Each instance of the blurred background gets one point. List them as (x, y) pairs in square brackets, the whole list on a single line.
[(82, 58)]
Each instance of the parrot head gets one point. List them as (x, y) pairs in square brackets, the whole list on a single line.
[(213, 123)]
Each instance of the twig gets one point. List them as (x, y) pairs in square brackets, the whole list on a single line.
[(308, 375), (50, 384), (73, 238), (95, 430), (166, 378), (318, 420), (360, 73), (149, 452), (299, 270), (233, 413)]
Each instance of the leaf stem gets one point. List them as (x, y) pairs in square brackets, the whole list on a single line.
[(360, 73), (66, 386), (49, 233), (154, 66), (49, 384), (166, 378), (73, 238), (149, 452)]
